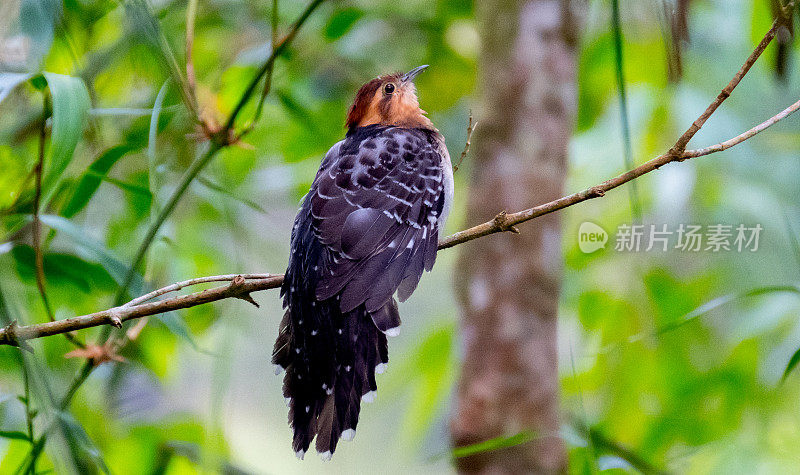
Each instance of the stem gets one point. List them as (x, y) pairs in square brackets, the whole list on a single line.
[(155, 226), (633, 190)]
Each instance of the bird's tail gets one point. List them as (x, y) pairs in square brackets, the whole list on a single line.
[(330, 359)]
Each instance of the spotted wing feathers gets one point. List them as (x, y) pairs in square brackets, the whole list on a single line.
[(375, 206)]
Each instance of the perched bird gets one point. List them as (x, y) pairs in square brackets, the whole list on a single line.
[(368, 228)]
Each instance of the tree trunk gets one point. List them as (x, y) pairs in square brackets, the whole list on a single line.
[(510, 285)]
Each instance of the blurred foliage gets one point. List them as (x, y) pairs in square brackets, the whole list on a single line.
[(679, 361)]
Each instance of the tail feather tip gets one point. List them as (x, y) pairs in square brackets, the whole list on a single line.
[(369, 397), (348, 434), (325, 456)]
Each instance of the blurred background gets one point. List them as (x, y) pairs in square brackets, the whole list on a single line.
[(662, 361)]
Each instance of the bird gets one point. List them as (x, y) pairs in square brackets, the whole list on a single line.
[(367, 229)]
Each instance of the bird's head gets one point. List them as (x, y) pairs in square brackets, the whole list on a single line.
[(388, 100)]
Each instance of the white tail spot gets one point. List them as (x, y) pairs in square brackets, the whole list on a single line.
[(308, 408), (325, 456), (369, 397), (288, 401), (348, 434), (278, 369), (380, 368), (392, 331), (348, 368), (300, 454)]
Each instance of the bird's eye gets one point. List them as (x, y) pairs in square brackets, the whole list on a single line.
[(388, 88)]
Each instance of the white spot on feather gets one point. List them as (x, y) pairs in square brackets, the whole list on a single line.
[(278, 369), (300, 454), (369, 397), (380, 368), (308, 408), (325, 456), (288, 401), (348, 434), (313, 333), (392, 331), (348, 368)]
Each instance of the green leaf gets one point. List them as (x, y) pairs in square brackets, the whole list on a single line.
[(428, 372), (96, 250), (8, 81), (79, 442), (792, 363), (157, 170), (63, 268), (129, 187), (70, 110), (91, 180), (720, 301), (341, 22), (178, 327), (224, 191), (117, 270), (493, 444), (14, 434)]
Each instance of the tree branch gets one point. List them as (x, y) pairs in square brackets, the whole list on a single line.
[(470, 128), (242, 286)]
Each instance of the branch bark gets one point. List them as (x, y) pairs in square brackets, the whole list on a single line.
[(14, 334)]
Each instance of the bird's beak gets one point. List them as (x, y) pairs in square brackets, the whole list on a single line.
[(409, 76)]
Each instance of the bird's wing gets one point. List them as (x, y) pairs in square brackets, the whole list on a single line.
[(375, 205)]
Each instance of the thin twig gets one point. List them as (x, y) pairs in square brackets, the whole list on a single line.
[(684, 139), (191, 79), (267, 80), (28, 412), (470, 128), (162, 216), (277, 50), (37, 225), (633, 190), (744, 136), (186, 283)]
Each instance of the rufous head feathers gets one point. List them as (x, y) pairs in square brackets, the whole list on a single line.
[(388, 100)]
